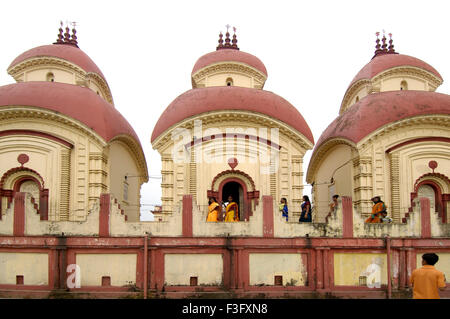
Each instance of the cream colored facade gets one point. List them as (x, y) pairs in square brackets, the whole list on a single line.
[(230, 73), (393, 79), (389, 161), (74, 162), (191, 170), (54, 69)]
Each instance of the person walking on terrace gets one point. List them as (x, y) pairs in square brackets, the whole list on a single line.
[(378, 211), (305, 216), (284, 208), (232, 211), (427, 280), (213, 210)]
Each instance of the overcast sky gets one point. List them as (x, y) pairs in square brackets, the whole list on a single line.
[(147, 49)]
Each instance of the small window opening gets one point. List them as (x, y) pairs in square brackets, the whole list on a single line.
[(106, 281), (50, 77), (19, 280), (363, 280), (98, 93), (193, 281), (404, 86), (278, 280), (357, 99), (229, 82)]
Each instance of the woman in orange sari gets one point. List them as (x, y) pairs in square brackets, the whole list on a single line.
[(378, 211), (232, 211), (213, 210)]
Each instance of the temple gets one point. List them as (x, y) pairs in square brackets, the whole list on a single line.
[(72, 167)]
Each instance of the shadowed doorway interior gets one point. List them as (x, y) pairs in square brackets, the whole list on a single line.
[(235, 190)]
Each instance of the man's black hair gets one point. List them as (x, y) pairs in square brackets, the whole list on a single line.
[(430, 258), (335, 196)]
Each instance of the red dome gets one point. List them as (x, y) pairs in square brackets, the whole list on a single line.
[(219, 98), (379, 109), (76, 102), (388, 61), (62, 51), (224, 55)]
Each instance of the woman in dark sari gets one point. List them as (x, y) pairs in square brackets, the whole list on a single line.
[(305, 216)]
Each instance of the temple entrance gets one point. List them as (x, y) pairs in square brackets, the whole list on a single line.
[(427, 191), (236, 191)]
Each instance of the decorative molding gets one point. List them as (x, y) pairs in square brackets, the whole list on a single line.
[(18, 169), (64, 185), (395, 186), (222, 67), (348, 96), (438, 176), (232, 173), (437, 120), (241, 116), (33, 113), (401, 71), (419, 140), (36, 133), (52, 62), (408, 71)]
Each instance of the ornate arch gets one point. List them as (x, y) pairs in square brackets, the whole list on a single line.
[(251, 195), (13, 178), (440, 184)]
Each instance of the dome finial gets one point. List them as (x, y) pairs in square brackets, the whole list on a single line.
[(73, 40), (220, 46), (234, 45), (378, 46), (391, 45), (227, 37), (229, 44), (67, 35), (60, 35), (384, 43)]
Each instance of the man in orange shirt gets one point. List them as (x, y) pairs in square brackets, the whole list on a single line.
[(427, 280)]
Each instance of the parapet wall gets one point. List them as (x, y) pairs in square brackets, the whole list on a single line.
[(185, 256)]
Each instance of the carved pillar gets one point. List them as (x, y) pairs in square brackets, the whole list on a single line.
[(64, 190), (297, 185), (363, 186), (97, 176), (395, 186), (167, 184), (193, 173)]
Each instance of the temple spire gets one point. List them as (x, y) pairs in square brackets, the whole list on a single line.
[(234, 41), (229, 44), (66, 37), (220, 46), (60, 35), (73, 40), (382, 49), (384, 46), (391, 45)]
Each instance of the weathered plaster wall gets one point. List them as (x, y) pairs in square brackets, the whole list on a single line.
[(208, 268), (32, 266), (265, 266)]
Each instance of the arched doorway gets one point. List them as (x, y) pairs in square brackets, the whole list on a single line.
[(235, 190), (29, 185), (426, 190), (433, 191), (240, 186)]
